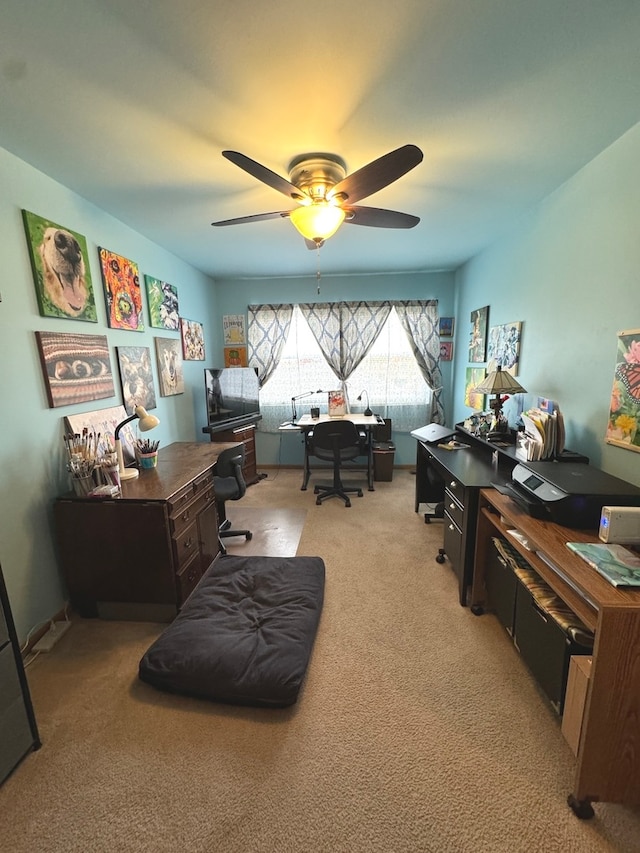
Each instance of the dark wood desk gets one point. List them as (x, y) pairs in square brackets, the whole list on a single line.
[(454, 479), (140, 555), (608, 765)]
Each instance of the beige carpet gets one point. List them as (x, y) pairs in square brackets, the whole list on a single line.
[(418, 727)]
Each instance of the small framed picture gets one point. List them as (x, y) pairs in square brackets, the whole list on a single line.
[(235, 357), (169, 358), (136, 378), (337, 404), (164, 307), (478, 334), (446, 350), (446, 327)]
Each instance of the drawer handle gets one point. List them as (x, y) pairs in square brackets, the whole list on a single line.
[(453, 484), (188, 542), (451, 527), (452, 506), (186, 515)]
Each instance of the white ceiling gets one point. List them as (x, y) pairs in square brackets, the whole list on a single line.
[(130, 103)]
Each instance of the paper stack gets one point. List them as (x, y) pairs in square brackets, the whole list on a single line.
[(543, 435)]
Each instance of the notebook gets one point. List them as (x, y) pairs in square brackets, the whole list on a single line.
[(619, 565)]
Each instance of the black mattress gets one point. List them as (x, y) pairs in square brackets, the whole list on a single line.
[(245, 634)]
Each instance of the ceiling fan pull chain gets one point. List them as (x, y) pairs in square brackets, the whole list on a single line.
[(318, 271)]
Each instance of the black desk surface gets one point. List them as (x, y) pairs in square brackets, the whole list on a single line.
[(471, 466)]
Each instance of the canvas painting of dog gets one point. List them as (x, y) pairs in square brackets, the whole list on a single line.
[(162, 299), (61, 274), (136, 378), (169, 360), (122, 291)]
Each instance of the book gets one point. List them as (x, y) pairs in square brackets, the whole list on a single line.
[(619, 565)]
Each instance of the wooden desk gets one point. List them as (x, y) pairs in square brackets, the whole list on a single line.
[(141, 555), (608, 762), (306, 424)]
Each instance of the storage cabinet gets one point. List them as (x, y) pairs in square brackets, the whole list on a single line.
[(18, 730), (141, 555), (245, 433), (608, 757)]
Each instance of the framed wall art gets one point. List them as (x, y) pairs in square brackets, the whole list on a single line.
[(504, 347), (446, 350), (192, 334), (233, 329), (235, 357), (136, 378), (162, 299), (169, 359), (60, 266), (122, 292), (446, 327), (102, 423), (473, 377), (76, 368), (478, 335), (623, 424)]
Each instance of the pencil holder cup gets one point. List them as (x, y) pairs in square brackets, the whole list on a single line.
[(148, 460)]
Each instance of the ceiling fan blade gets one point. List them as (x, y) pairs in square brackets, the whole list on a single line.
[(378, 174), (376, 217), (256, 170), (257, 217)]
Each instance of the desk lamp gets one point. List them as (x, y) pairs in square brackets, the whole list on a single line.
[(367, 412), (499, 382), (147, 422)]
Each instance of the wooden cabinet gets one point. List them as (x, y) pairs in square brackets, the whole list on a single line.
[(141, 555), (18, 730), (246, 433), (608, 760)]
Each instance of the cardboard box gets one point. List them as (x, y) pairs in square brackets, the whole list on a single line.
[(575, 698)]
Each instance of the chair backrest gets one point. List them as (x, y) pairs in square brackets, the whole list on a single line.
[(229, 464), (338, 434)]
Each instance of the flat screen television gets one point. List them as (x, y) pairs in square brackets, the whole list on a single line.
[(232, 395)]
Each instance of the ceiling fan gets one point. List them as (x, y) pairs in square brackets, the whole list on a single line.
[(327, 196)]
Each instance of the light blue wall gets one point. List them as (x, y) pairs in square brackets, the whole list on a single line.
[(31, 446), (234, 296), (570, 271)]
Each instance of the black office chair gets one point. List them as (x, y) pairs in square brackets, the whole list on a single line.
[(229, 485), (337, 442)]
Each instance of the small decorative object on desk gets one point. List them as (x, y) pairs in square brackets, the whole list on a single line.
[(337, 404), (147, 452)]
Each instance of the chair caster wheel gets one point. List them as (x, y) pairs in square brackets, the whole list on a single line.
[(318, 502), (249, 535), (347, 503), (477, 609), (316, 491), (359, 493), (440, 558)]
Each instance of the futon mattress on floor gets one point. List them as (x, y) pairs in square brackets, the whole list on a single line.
[(245, 634)]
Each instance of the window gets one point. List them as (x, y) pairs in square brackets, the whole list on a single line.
[(388, 373)]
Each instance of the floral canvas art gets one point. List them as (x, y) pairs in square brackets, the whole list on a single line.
[(623, 426)]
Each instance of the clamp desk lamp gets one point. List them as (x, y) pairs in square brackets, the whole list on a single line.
[(146, 422)]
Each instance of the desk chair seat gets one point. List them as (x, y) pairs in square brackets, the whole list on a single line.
[(229, 485), (337, 442)]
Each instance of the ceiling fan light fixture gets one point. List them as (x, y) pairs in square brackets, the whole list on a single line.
[(317, 222)]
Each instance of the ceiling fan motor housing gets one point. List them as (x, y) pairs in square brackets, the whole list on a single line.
[(316, 174)]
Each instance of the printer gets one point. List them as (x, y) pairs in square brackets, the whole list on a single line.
[(568, 493)]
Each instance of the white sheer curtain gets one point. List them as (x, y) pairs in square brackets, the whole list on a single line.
[(388, 373)]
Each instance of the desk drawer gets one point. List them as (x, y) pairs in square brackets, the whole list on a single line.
[(186, 515), (453, 542), (453, 509), (186, 544), (455, 487), (188, 578), (196, 488)]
